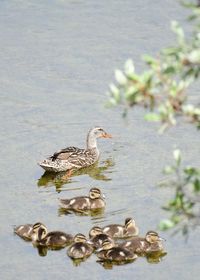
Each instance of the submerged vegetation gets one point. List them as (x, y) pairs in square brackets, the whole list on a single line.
[(162, 90)]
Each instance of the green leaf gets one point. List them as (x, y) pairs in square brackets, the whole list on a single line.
[(166, 224), (177, 156), (120, 77), (153, 117)]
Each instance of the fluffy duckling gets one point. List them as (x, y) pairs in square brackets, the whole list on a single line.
[(80, 249), (110, 252), (151, 243), (97, 237), (95, 200), (24, 231), (54, 239), (119, 231)]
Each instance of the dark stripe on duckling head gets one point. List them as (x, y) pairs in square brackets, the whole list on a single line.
[(94, 193), (95, 231), (80, 238)]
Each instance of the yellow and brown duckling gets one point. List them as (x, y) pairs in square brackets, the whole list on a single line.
[(111, 252), (76, 158), (95, 200), (151, 243), (80, 249), (24, 231), (53, 239), (97, 237), (122, 231)]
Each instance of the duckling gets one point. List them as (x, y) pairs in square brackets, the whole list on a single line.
[(120, 231), (110, 252), (151, 243), (95, 200), (53, 239), (24, 231), (97, 237), (80, 249)]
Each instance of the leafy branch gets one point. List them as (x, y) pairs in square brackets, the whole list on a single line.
[(184, 208), (161, 88)]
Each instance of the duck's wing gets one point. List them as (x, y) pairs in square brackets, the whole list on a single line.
[(65, 154)]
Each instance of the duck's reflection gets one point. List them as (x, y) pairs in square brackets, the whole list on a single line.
[(93, 213), (96, 171), (152, 258)]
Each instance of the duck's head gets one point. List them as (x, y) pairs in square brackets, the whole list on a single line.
[(39, 231), (106, 245), (99, 132), (95, 193), (93, 134), (152, 237), (95, 231), (129, 222), (79, 237)]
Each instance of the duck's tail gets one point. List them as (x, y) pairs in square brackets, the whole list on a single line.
[(48, 165)]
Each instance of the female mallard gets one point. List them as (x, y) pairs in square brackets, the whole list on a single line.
[(97, 237), (75, 158), (151, 243), (110, 252), (95, 200), (53, 239), (80, 249), (122, 231)]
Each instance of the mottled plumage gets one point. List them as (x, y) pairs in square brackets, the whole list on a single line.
[(73, 157), (97, 237), (151, 243), (80, 249), (110, 252), (119, 231), (94, 201), (24, 231), (54, 239)]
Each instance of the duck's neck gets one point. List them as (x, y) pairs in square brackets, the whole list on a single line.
[(91, 141)]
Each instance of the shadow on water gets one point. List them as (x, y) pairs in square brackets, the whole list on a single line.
[(96, 171)]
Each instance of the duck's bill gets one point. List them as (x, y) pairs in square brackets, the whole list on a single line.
[(106, 135)]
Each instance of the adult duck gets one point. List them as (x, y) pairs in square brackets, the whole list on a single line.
[(75, 158)]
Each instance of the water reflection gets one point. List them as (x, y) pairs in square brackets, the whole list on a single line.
[(96, 171), (153, 258), (98, 213)]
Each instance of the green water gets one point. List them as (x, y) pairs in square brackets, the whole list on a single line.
[(57, 59)]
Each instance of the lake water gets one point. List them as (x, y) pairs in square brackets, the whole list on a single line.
[(57, 59)]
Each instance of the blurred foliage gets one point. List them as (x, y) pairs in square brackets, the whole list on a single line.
[(161, 88), (184, 207)]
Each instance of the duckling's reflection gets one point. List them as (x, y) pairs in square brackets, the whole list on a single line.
[(43, 250), (155, 257), (152, 258), (109, 264), (95, 171), (93, 213)]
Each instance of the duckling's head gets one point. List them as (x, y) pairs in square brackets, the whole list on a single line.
[(107, 245), (95, 231), (95, 193), (129, 222), (39, 231), (79, 237), (152, 237)]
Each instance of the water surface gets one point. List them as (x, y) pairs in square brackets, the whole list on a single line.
[(57, 59)]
